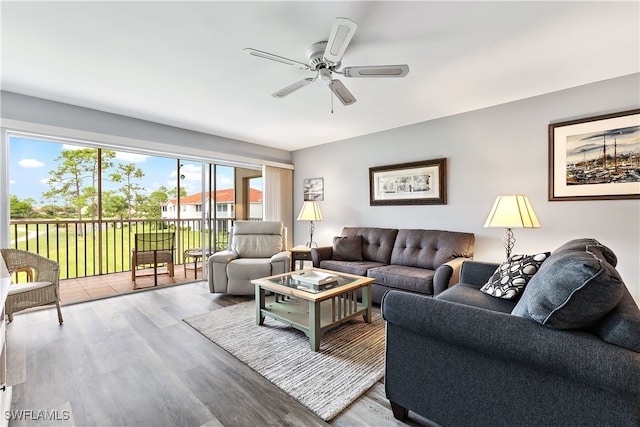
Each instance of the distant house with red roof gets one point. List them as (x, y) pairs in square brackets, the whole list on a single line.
[(191, 206)]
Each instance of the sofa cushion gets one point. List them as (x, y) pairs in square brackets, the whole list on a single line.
[(248, 268), (358, 268), (257, 239), (510, 278), (573, 289), (430, 248), (621, 326), (347, 248), (410, 279), (467, 294), (377, 243)]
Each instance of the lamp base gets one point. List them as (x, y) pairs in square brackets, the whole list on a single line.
[(311, 243), (509, 241)]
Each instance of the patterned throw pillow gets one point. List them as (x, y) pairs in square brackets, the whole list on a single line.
[(512, 276)]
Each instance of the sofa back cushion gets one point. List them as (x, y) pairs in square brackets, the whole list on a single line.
[(377, 243), (257, 239), (430, 248)]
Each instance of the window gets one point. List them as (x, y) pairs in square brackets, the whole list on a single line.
[(99, 198)]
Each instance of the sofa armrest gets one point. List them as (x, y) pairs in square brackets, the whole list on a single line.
[(580, 356), (281, 262), (447, 275), (223, 257), (477, 273), (218, 280), (321, 253)]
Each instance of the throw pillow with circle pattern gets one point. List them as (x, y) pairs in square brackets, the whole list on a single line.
[(510, 278)]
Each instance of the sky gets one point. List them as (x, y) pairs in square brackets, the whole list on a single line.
[(588, 146), (31, 160)]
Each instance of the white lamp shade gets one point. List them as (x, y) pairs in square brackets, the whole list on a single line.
[(310, 212), (512, 211)]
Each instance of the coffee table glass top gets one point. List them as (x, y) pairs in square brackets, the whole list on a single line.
[(288, 281)]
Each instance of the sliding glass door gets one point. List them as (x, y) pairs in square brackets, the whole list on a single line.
[(80, 204)]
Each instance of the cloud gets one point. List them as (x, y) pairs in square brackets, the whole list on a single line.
[(131, 157), (30, 163), (224, 180)]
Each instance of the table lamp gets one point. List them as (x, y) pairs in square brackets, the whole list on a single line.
[(310, 212), (512, 211)]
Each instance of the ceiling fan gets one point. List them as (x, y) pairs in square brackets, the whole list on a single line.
[(324, 60)]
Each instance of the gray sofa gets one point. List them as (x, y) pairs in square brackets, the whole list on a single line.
[(420, 261), (566, 353)]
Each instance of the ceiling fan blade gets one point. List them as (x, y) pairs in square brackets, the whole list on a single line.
[(341, 92), (341, 33), (292, 88), (376, 71), (272, 57)]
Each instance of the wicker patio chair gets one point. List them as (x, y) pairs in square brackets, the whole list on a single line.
[(151, 249), (44, 290)]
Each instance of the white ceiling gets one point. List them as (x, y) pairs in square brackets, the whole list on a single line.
[(182, 64)]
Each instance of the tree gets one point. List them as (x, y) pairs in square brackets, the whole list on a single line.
[(20, 209), (127, 174), (67, 181), (173, 192), (51, 211), (74, 182), (114, 205), (91, 192), (151, 207)]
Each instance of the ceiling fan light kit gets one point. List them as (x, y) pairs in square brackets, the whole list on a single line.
[(325, 59)]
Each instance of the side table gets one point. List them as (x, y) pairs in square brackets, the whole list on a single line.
[(301, 254), (198, 256)]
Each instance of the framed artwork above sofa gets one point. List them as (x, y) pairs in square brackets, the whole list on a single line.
[(415, 183)]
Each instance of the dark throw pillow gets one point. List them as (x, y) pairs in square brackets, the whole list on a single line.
[(572, 290), (592, 245), (511, 277), (347, 248)]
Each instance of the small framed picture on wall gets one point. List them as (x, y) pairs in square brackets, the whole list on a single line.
[(313, 189)]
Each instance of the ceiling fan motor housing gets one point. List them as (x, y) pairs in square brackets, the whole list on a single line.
[(316, 57)]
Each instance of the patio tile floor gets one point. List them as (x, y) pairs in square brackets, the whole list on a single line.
[(88, 288)]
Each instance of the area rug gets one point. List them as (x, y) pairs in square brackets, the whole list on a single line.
[(350, 360)]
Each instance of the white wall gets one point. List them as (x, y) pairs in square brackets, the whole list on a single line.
[(497, 150)]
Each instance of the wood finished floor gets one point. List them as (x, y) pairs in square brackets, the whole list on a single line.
[(130, 360)]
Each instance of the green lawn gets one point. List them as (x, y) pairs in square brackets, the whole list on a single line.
[(78, 255)]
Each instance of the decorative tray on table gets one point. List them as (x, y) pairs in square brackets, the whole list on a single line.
[(316, 279)]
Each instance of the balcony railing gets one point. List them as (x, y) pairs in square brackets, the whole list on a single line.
[(90, 248)]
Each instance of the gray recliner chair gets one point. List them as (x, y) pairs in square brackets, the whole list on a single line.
[(256, 249)]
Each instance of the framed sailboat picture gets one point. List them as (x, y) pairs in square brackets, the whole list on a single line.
[(595, 158)]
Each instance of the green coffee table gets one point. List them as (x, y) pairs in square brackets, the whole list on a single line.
[(313, 311)]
